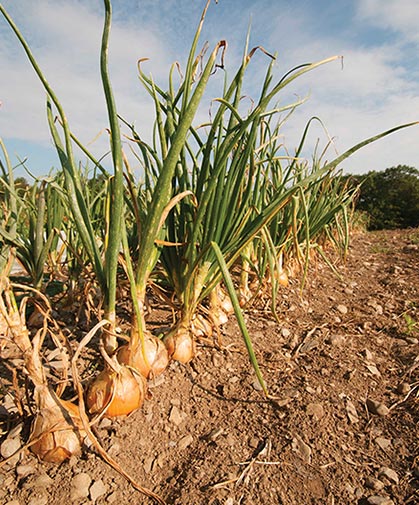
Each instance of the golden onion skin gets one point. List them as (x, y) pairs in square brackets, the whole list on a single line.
[(122, 389), (58, 438), (156, 354), (180, 345)]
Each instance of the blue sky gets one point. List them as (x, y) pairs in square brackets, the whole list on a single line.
[(377, 88)]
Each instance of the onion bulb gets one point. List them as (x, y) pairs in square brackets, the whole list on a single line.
[(226, 304), (57, 432), (220, 306), (201, 327), (282, 278), (123, 391), (180, 344), (155, 361)]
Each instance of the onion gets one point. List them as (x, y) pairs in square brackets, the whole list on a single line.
[(155, 352), (226, 304), (221, 317), (180, 344), (57, 432), (201, 327), (57, 429), (282, 278), (123, 391), (220, 306)]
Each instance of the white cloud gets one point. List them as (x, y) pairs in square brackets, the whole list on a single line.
[(66, 41), (373, 92), (395, 15), (349, 125)]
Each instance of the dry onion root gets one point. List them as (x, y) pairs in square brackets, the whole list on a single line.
[(150, 363), (116, 392), (57, 432)]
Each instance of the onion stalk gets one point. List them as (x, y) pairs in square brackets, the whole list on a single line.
[(151, 228), (225, 179), (8, 225)]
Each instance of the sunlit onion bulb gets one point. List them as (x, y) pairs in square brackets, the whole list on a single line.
[(126, 391), (180, 344), (226, 304), (220, 317), (201, 327), (220, 306), (282, 278), (156, 354), (59, 438)]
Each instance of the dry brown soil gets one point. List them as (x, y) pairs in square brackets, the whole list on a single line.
[(342, 426)]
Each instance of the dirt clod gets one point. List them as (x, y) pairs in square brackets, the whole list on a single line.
[(80, 486), (378, 408), (379, 500), (389, 474)]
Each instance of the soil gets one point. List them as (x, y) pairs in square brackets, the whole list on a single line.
[(341, 425)]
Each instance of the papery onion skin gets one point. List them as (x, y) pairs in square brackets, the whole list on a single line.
[(180, 344), (156, 354), (59, 439), (201, 326), (282, 278), (128, 392)]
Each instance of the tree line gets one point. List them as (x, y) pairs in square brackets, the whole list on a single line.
[(389, 198)]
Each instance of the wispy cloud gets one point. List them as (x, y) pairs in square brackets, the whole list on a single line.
[(66, 41), (400, 16), (372, 92)]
